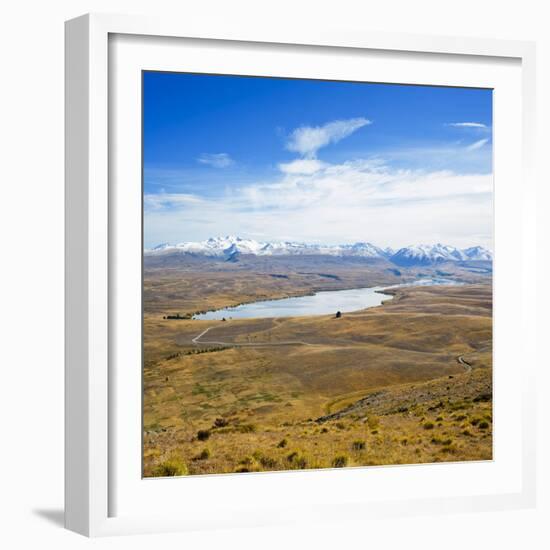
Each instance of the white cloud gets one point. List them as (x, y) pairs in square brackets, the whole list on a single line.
[(477, 145), (468, 125), (348, 202), (307, 140), (301, 166), (218, 160)]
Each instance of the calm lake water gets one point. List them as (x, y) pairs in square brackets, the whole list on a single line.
[(321, 303)]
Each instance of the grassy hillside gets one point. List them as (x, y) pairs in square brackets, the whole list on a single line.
[(406, 382)]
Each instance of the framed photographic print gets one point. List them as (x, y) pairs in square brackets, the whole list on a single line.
[(290, 266)]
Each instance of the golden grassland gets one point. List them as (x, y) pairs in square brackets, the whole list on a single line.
[(406, 382)]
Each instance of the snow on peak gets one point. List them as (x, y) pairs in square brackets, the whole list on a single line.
[(425, 254), (231, 246)]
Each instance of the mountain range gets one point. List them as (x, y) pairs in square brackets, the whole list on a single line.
[(229, 248)]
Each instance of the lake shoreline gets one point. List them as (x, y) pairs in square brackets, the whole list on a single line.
[(315, 304)]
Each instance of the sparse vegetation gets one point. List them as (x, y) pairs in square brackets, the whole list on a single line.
[(257, 407)]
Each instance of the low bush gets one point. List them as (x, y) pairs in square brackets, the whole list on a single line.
[(298, 461), (340, 461), (268, 462), (203, 435), (483, 397), (204, 455), (358, 445), (428, 425), (483, 425), (174, 466), (282, 444)]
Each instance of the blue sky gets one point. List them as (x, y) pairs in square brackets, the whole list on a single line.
[(315, 161)]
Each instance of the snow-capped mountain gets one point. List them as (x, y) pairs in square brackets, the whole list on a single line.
[(425, 254), (231, 247), (478, 253)]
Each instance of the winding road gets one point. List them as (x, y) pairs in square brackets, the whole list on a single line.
[(464, 363), (245, 344), (197, 342)]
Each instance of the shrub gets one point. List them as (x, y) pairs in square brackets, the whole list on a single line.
[(439, 419), (220, 422), (340, 461), (438, 441), (268, 462), (358, 445), (203, 435), (483, 397), (483, 425), (174, 466), (475, 421), (282, 444), (204, 455), (324, 430), (297, 460), (428, 425), (247, 461), (340, 425)]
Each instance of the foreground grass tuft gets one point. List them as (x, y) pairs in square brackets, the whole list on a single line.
[(340, 461), (174, 466)]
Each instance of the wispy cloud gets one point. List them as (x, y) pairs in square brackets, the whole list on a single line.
[(161, 201), (301, 166), (218, 160), (477, 145), (355, 200), (468, 125), (307, 140)]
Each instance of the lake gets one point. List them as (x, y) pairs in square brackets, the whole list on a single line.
[(321, 303)]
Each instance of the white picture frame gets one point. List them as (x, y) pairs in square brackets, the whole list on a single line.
[(93, 229)]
